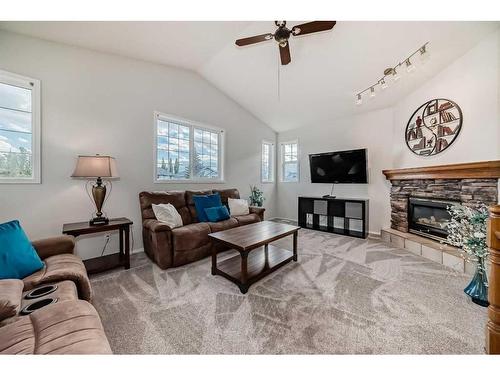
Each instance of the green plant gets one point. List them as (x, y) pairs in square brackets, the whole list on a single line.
[(256, 196), (467, 231)]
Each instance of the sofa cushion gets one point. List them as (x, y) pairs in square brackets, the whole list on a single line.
[(70, 327), (238, 207), (190, 202), (247, 219), (167, 213), (59, 268), (11, 293), (223, 225), (215, 214), (18, 258), (201, 202), (190, 236), (175, 198)]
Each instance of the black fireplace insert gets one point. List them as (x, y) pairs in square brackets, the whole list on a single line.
[(428, 217)]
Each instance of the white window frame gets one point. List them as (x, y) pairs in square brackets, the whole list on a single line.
[(282, 161), (272, 162), (33, 85), (191, 124)]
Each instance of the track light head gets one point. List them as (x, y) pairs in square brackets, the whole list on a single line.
[(383, 83), (372, 92), (409, 66), (359, 101)]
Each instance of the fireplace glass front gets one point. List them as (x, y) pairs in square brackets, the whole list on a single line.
[(429, 217)]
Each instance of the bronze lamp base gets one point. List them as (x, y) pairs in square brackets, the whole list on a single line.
[(99, 194)]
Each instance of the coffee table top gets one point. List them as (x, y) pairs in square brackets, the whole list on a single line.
[(250, 236)]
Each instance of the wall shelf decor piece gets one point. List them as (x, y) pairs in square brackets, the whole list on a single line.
[(433, 127)]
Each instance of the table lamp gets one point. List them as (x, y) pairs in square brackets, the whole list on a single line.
[(97, 167)]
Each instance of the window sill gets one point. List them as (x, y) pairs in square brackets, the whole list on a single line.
[(190, 182), (20, 181)]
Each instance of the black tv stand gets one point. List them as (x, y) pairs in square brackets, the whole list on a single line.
[(344, 216)]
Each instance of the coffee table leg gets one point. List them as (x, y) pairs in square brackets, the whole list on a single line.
[(214, 260), (295, 246), (244, 272)]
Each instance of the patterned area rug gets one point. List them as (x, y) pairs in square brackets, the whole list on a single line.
[(344, 295)]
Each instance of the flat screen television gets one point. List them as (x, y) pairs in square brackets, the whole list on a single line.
[(339, 167)]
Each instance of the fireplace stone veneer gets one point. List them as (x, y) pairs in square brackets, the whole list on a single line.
[(468, 191)]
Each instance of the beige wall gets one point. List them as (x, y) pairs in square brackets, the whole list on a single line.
[(100, 103)]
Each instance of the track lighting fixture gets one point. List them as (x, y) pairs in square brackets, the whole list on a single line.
[(359, 101), (424, 54), (383, 84), (394, 74), (409, 66)]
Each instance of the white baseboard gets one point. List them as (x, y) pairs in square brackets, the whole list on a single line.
[(138, 250)]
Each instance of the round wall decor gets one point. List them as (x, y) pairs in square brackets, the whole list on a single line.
[(433, 127)]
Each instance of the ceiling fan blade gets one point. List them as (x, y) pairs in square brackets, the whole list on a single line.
[(285, 55), (313, 27), (254, 39)]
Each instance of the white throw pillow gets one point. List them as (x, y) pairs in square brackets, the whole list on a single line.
[(166, 213), (238, 207)]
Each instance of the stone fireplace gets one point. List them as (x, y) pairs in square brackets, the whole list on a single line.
[(467, 191), (467, 184), (419, 198)]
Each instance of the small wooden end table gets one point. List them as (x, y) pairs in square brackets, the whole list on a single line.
[(256, 258), (105, 262)]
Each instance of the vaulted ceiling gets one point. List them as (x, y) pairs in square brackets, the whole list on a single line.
[(320, 84)]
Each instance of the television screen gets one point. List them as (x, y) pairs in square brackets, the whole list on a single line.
[(342, 167)]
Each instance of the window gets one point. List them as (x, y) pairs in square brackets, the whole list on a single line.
[(267, 167), (187, 151), (19, 129), (289, 161)]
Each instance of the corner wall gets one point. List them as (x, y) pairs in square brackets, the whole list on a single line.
[(472, 81)]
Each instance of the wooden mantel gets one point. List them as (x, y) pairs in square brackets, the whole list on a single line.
[(482, 169)]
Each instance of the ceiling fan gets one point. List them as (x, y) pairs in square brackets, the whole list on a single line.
[(282, 34)]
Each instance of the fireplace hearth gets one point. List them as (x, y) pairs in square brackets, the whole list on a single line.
[(429, 217)]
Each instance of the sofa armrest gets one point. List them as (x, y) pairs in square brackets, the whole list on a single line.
[(54, 245), (156, 226), (257, 210)]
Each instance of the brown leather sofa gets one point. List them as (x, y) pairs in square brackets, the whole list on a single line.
[(70, 325), (169, 247)]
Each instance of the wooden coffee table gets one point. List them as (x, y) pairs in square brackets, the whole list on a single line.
[(256, 258)]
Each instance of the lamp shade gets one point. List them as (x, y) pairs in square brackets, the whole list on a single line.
[(95, 166)]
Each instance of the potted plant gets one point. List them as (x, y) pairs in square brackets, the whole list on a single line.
[(467, 231), (256, 196)]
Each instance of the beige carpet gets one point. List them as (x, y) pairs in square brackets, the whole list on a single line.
[(344, 295)]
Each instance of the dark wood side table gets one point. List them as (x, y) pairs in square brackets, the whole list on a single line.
[(105, 262)]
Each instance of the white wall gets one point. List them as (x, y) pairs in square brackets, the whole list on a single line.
[(372, 131), (472, 81), (100, 103)]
